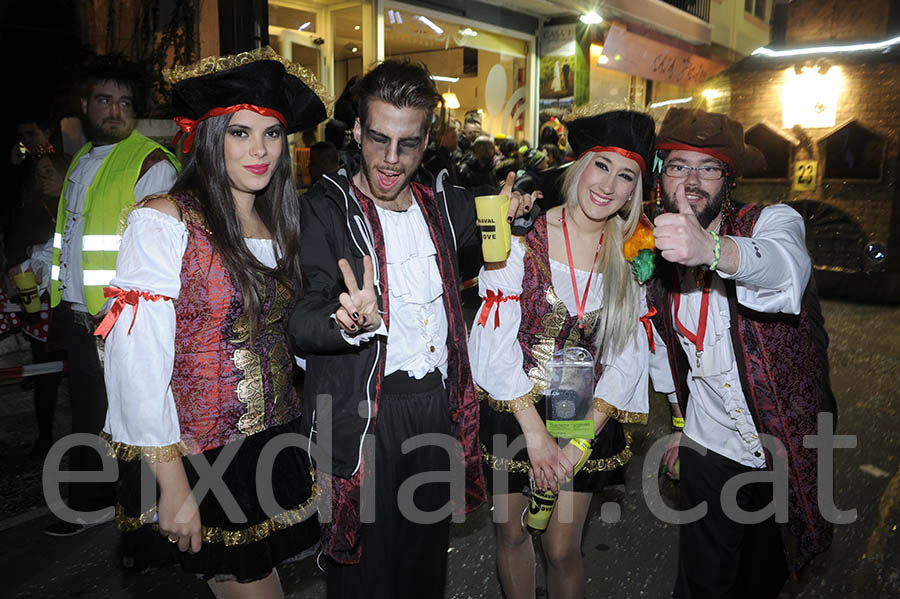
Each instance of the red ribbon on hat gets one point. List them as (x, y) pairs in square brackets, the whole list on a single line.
[(648, 326), (189, 126), (123, 297), (491, 299), (621, 152)]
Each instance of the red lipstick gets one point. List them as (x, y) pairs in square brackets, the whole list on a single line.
[(257, 169)]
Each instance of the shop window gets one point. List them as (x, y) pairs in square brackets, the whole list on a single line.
[(757, 8), (291, 18), (775, 148), (853, 152), (484, 70)]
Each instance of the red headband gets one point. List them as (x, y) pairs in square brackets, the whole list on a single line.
[(621, 152), (714, 153), (189, 126)]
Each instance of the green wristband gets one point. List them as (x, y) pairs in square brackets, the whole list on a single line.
[(717, 252)]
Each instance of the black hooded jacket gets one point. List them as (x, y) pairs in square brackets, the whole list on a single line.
[(340, 382)]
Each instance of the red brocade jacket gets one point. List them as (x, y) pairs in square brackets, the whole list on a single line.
[(782, 360)]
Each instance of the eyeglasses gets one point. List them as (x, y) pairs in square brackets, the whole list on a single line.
[(707, 173)]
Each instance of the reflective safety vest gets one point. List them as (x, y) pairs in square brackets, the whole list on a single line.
[(109, 193)]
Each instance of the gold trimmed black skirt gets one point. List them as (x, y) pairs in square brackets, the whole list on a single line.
[(506, 461), (231, 550)]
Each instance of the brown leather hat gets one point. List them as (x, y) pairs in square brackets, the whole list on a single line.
[(710, 133)]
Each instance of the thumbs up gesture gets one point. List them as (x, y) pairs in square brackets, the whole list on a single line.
[(680, 237), (359, 305)]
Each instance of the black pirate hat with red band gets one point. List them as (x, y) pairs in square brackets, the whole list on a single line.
[(630, 134), (260, 80), (710, 133)]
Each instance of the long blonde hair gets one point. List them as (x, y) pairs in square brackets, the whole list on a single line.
[(616, 325)]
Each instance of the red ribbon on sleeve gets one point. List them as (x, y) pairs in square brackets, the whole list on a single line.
[(494, 298), (123, 297), (648, 326)]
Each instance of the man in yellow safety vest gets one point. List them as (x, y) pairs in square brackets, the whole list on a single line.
[(116, 168)]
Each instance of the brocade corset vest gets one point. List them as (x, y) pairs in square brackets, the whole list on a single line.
[(546, 325), (227, 386)]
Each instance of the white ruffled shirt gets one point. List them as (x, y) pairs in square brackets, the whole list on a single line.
[(772, 275), (417, 338), (496, 355), (138, 366)]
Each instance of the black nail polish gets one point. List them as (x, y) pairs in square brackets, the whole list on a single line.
[(509, 219), (352, 327), (356, 316)]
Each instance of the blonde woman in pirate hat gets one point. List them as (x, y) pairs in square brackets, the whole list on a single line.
[(566, 284)]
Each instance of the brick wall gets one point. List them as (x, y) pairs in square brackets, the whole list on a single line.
[(868, 96), (821, 20)]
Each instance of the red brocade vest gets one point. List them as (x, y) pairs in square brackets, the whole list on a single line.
[(226, 386), (546, 324), (782, 360)]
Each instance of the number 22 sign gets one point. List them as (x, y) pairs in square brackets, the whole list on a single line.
[(805, 175)]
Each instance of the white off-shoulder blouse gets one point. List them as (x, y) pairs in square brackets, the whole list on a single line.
[(140, 348), (497, 359)]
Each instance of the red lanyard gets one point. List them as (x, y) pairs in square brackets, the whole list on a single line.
[(697, 339), (579, 307)]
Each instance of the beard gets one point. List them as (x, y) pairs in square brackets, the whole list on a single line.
[(710, 211), (108, 131)]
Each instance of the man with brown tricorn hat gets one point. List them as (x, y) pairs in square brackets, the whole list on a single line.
[(742, 353)]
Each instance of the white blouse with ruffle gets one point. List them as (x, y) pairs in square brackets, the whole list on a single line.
[(138, 363), (496, 356), (417, 337)]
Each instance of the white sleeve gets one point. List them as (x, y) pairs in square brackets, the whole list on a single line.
[(41, 259), (360, 338), (774, 265), (140, 348), (660, 370), (159, 179), (494, 350), (622, 391)]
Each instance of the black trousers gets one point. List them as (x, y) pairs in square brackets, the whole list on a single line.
[(46, 387), (87, 394), (717, 557), (401, 557)]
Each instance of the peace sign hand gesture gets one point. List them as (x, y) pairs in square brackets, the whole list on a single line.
[(359, 307), (680, 237)]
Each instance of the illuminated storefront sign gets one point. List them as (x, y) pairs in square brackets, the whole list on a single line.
[(641, 56)]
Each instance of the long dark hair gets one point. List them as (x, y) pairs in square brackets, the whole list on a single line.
[(277, 206)]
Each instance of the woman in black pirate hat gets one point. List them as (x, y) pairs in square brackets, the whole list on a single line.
[(566, 284), (198, 368)]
